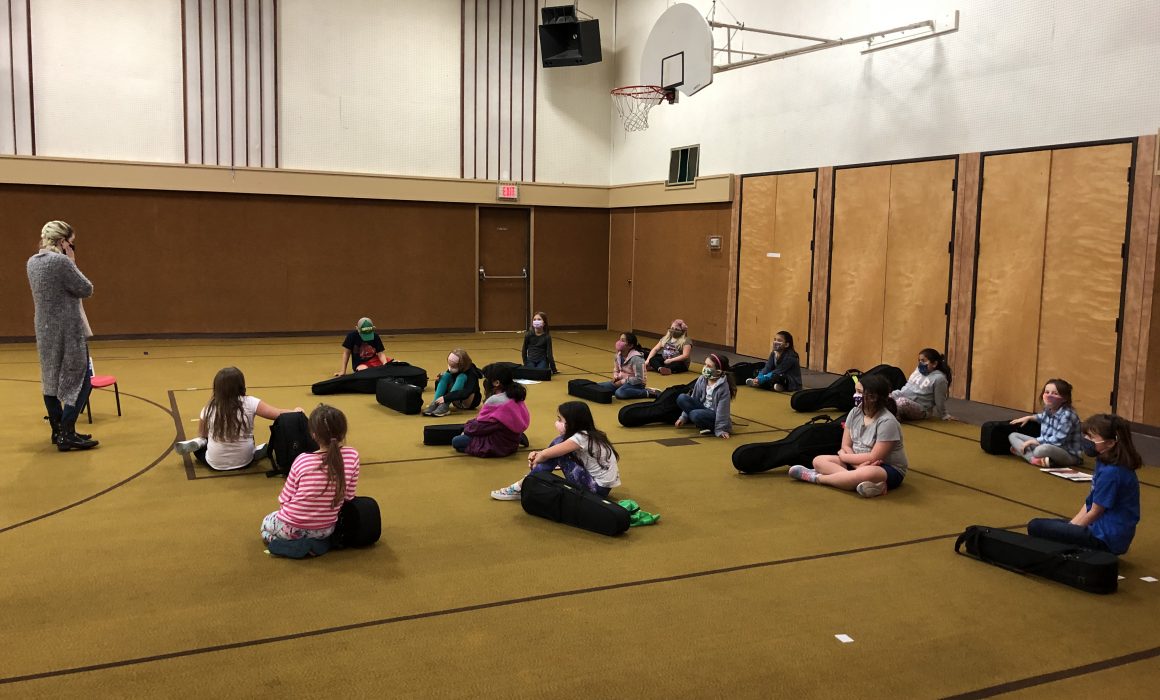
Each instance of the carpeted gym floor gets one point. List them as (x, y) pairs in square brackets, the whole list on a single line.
[(127, 572)]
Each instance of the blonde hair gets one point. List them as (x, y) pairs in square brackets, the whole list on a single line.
[(52, 233), (683, 340)]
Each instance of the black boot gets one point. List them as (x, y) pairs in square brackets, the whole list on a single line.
[(69, 439), (55, 424)]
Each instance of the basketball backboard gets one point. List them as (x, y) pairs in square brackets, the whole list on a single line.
[(679, 51)]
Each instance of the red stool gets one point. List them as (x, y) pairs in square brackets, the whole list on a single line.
[(102, 381)]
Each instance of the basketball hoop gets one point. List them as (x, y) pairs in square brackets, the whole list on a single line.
[(634, 101)]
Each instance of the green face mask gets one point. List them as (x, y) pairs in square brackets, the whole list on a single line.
[(707, 372)]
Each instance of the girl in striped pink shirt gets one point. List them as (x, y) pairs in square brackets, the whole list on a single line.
[(318, 483)]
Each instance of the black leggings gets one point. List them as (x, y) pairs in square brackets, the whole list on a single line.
[(675, 367), (68, 414)]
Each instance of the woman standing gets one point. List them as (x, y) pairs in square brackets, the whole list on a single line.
[(62, 333)]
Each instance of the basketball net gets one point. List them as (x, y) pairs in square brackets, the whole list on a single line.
[(633, 103)]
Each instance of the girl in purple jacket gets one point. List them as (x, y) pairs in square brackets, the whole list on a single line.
[(498, 429)]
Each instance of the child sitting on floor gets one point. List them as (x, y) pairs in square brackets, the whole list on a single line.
[(318, 483), (708, 406), (226, 427), (363, 348), (581, 451), (503, 418), (1107, 519), (458, 387), (537, 350)]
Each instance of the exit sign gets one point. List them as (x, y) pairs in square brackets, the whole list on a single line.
[(509, 192)]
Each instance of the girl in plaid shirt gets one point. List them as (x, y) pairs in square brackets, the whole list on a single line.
[(1060, 438)]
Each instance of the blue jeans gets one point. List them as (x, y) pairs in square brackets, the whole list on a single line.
[(460, 442), (696, 412), (541, 363), (1061, 530), (631, 391)]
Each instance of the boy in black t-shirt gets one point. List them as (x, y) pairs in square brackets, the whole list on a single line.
[(363, 348)]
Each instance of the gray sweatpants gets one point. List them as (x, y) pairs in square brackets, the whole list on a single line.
[(1059, 457)]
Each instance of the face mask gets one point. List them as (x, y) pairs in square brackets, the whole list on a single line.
[(676, 333), (923, 369), (1089, 448), (778, 346), (453, 368), (1052, 401), (537, 324), (707, 372), (621, 345), (857, 399), (560, 426)]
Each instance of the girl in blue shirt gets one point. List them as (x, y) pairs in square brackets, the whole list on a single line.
[(1107, 519)]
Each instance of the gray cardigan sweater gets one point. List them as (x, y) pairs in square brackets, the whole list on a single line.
[(57, 289), (723, 421)]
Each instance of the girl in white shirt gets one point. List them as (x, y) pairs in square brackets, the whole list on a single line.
[(226, 430), (582, 452)]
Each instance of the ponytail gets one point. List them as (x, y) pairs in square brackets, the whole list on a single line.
[(936, 357), (328, 426)]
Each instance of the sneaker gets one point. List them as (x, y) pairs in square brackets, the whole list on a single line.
[(261, 451), (653, 393), (1047, 462), (750, 382), (441, 410), (429, 408), (507, 493), (706, 432), (665, 371), (186, 447), (870, 489), (1039, 461), (801, 473)]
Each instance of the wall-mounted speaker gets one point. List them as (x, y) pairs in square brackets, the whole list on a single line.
[(566, 40)]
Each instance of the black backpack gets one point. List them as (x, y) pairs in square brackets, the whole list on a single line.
[(289, 437), (894, 375), (822, 435), (993, 436), (745, 370)]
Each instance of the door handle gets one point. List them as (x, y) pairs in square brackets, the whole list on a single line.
[(484, 276)]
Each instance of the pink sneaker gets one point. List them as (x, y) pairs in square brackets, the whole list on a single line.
[(801, 473)]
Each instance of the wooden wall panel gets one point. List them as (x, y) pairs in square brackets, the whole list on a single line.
[(1151, 352), (1083, 271), (757, 305), (675, 275), (1009, 279), (963, 270), (819, 303), (734, 237), (172, 262), (917, 259), (620, 254), (794, 235), (857, 280), (570, 266), (1137, 316)]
